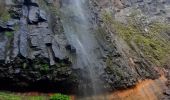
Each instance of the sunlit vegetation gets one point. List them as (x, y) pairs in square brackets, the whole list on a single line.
[(150, 38), (10, 96), (59, 97)]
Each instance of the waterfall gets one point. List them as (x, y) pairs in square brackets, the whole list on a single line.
[(77, 28)]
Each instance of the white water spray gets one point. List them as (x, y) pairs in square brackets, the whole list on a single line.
[(77, 30)]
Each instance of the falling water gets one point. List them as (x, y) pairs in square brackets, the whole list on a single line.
[(88, 54)]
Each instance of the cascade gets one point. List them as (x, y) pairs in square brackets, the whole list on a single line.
[(77, 28)]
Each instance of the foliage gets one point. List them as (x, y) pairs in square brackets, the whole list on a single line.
[(59, 97)]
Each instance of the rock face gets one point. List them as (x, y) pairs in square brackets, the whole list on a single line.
[(34, 50), (151, 8), (33, 53)]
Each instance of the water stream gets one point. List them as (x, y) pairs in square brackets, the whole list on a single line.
[(77, 28)]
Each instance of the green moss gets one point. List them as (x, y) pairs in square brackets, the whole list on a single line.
[(59, 97)]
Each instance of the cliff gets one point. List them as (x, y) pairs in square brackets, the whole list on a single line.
[(131, 36)]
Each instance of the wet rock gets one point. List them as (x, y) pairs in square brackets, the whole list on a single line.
[(15, 49), (33, 16), (25, 11), (23, 41), (5, 27), (3, 42), (11, 23), (2, 26), (42, 15), (71, 48), (58, 51), (31, 3)]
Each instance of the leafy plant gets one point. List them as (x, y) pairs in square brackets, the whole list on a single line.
[(59, 97)]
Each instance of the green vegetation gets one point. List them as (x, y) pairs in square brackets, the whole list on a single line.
[(59, 97), (152, 43), (10, 96), (44, 67)]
